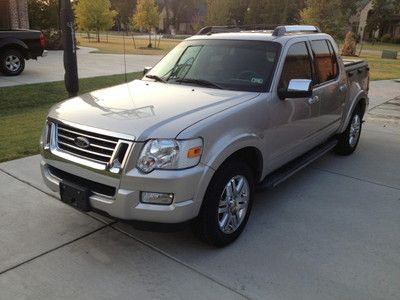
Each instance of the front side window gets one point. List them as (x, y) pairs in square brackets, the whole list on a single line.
[(325, 69), (228, 64), (297, 65)]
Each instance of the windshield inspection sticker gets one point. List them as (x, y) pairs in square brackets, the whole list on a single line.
[(257, 80)]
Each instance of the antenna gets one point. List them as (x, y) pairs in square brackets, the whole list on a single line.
[(123, 38)]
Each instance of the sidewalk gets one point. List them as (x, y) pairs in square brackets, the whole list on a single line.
[(51, 68)]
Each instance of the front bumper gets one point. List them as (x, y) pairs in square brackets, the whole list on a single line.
[(188, 187)]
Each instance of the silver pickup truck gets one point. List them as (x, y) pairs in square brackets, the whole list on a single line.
[(221, 115)]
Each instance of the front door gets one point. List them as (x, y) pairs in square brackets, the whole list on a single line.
[(292, 121)]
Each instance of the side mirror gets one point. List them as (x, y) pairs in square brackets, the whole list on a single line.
[(298, 88), (146, 70)]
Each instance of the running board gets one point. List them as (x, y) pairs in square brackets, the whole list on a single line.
[(283, 173)]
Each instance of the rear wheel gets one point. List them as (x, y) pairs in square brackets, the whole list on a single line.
[(348, 140), (227, 204), (12, 62)]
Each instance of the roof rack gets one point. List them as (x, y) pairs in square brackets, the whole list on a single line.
[(218, 29), (234, 28), (276, 30), (282, 30)]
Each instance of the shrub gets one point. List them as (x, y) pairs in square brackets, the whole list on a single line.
[(386, 38), (349, 47), (53, 39)]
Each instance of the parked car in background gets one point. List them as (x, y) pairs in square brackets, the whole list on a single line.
[(16, 46), (221, 114)]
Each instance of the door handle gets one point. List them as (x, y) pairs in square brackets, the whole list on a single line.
[(313, 100), (343, 88)]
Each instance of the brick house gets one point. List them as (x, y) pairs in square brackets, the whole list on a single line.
[(14, 14)]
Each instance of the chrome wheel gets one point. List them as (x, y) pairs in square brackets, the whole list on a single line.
[(355, 128), (233, 204), (13, 63)]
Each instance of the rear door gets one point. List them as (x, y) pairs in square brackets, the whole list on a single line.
[(329, 90)]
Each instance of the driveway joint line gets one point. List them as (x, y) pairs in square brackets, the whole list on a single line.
[(356, 178), (54, 249), (173, 258), (52, 196)]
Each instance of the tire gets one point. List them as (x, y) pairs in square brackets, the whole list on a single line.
[(12, 62), (348, 140), (220, 222)]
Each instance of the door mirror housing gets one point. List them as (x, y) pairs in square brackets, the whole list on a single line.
[(146, 70), (297, 88)]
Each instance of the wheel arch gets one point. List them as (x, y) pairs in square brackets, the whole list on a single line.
[(245, 148), (16, 45), (361, 100)]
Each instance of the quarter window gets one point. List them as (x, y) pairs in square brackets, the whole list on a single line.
[(297, 65), (325, 62)]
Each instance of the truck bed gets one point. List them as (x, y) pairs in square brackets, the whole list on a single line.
[(354, 64)]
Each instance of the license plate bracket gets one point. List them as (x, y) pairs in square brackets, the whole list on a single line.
[(75, 195)]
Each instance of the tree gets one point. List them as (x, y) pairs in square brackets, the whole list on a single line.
[(125, 9), (381, 14), (273, 12), (178, 11), (43, 14), (94, 15), (146, 16), (218, 12), (327, 15)]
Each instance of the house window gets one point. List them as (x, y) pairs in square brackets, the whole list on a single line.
[(4, 14)]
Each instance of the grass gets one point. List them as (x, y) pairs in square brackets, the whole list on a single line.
[(378, 46), (115, 45), (382, 69), (24, 109)]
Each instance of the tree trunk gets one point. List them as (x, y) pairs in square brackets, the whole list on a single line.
[(149, 45), (98, 36)]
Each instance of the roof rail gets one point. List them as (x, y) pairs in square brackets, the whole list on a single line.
[(234, 28), (277, 30), (217, 29), (282, 30)]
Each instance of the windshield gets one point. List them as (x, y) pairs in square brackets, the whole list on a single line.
[(227, 64)]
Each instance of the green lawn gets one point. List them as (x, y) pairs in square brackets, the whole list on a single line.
[(24, 109), (381, 68)]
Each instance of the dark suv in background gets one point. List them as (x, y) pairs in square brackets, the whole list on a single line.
[(16, 46)]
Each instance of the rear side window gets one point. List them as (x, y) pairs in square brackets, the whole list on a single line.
[(297, 65), (325, 62)]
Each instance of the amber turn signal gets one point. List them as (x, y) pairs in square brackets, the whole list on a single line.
[(194, 152)]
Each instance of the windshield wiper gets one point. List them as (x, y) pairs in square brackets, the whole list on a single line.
[(199, 82), (155, 77)]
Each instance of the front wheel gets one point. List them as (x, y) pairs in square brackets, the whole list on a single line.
[(227, 204), (348, 140), (12, 62)]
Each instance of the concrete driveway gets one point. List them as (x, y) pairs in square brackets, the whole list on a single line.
[(330, 232), (51, 68)]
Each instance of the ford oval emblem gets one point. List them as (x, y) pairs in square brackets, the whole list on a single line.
[(82, 142)]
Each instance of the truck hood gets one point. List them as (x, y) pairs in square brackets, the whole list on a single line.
[(146, 109)]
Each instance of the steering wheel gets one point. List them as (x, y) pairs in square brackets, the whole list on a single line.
[(248, 74)]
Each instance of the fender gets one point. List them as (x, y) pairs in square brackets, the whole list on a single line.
[(351, 106), (230, 144), (13, 41)]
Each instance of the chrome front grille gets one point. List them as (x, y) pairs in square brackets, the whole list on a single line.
[(90, 148)]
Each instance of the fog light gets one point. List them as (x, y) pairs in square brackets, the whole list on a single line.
[(157, 198)]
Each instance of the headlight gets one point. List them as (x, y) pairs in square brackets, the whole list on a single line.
[(170, 154)]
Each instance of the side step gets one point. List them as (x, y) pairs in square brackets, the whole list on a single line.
[(286, 171)]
